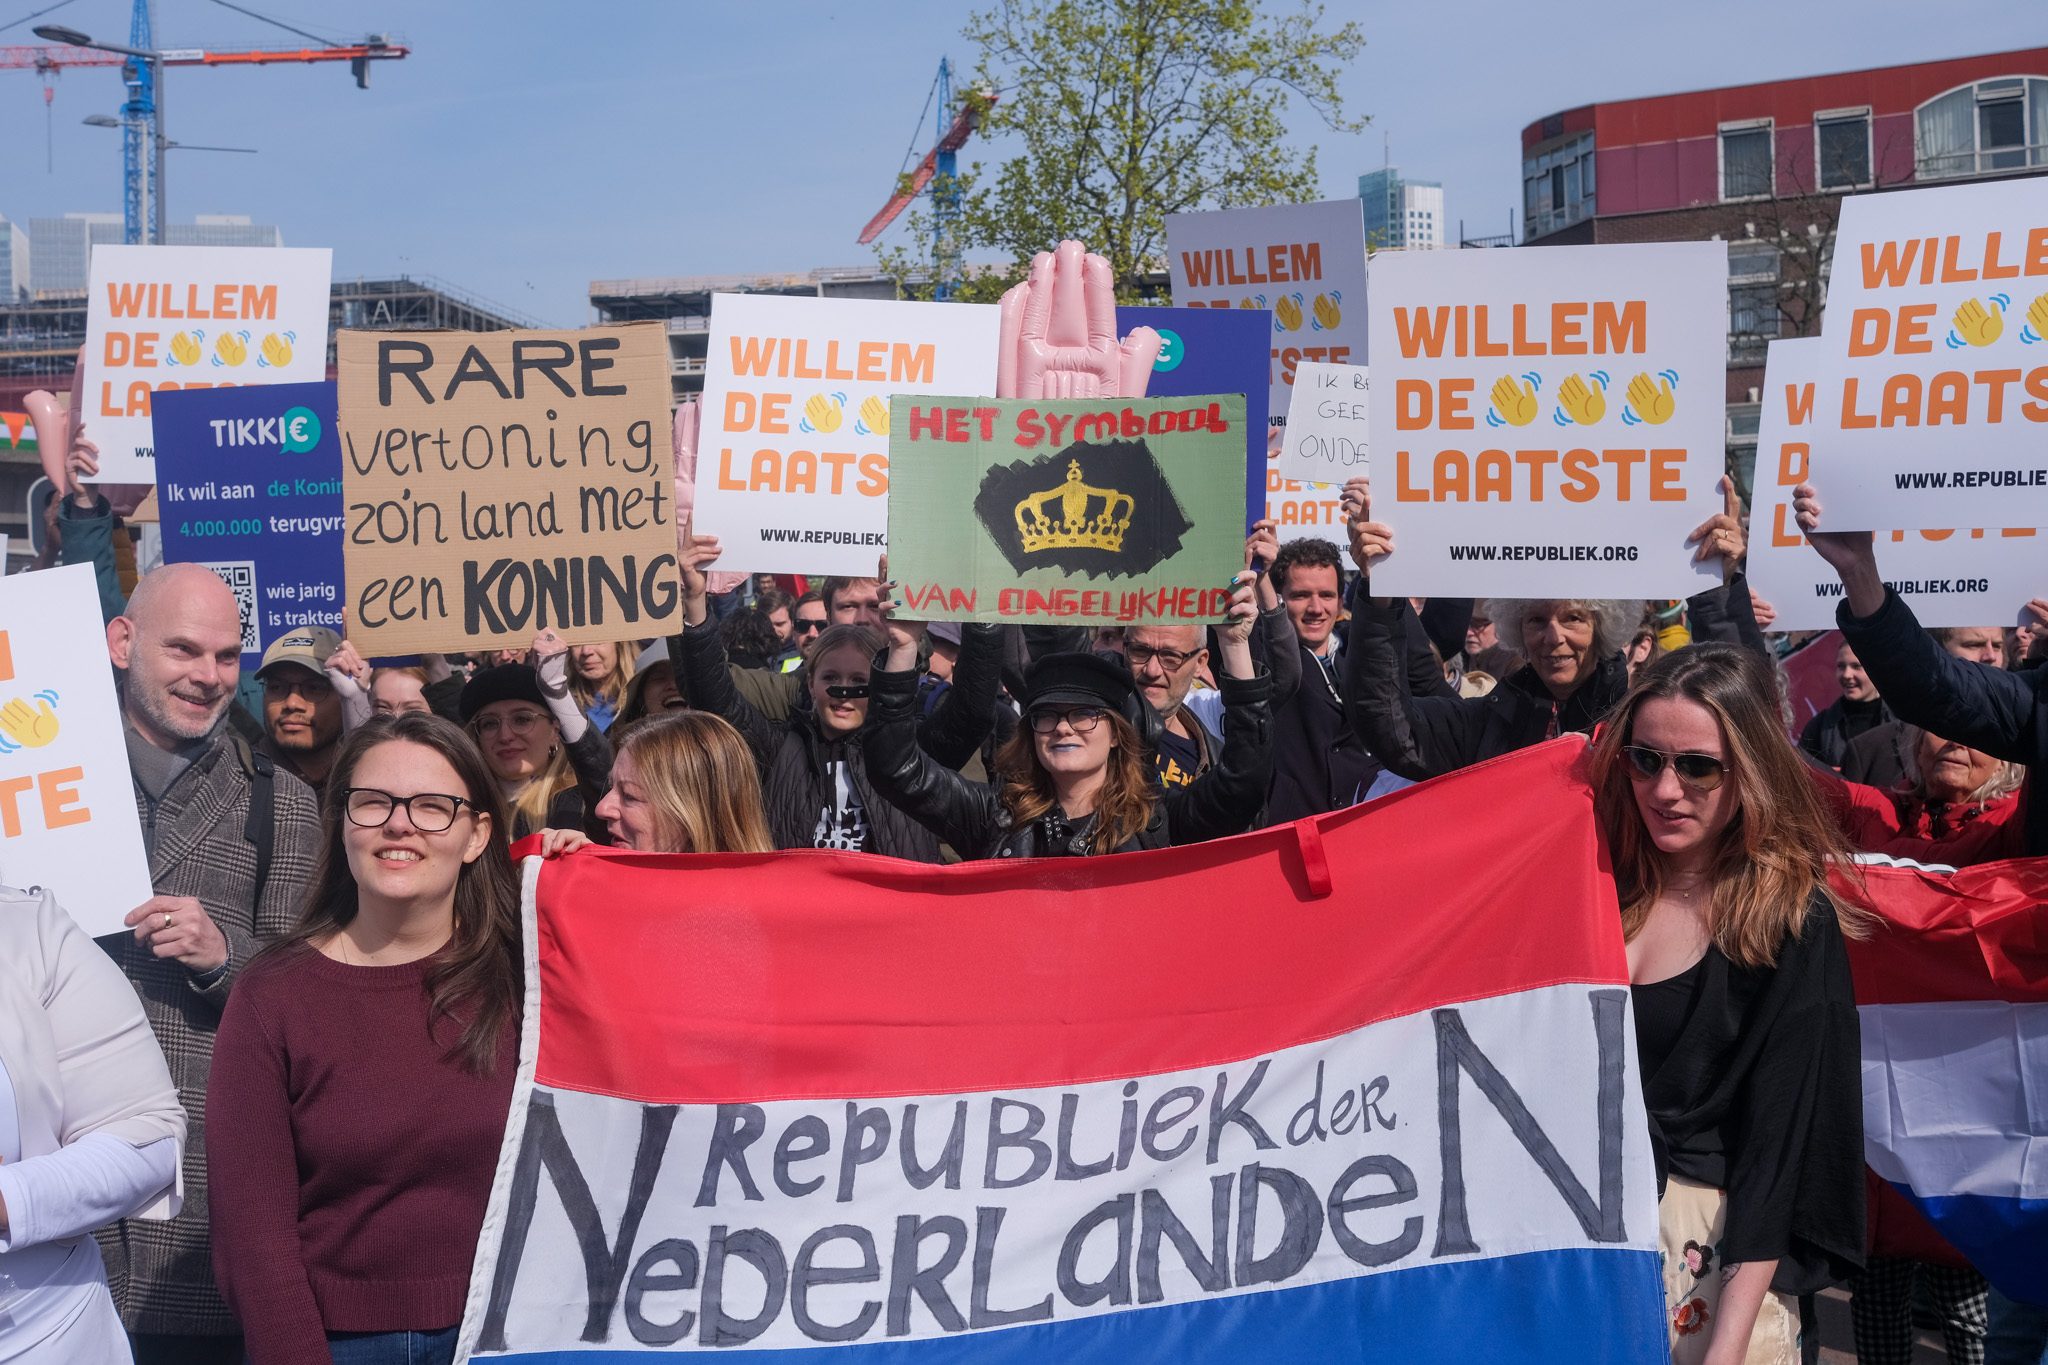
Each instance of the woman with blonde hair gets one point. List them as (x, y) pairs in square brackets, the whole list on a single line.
[(551, 764), (1745, 1021), (598, 677), (685, 783)]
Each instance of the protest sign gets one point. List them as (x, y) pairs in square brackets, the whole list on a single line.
[(249, 482), (1933, 402), (828, 1114), (1948, 577), (1126, 511), (194, 317), (1548, 423), (1327, 429), (1305, 263), (793, 460), (501, 483), (1206, 351), (67, 805)]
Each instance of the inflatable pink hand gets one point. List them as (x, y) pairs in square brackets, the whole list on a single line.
[(1058, 333), (689, 421), (53, 436)]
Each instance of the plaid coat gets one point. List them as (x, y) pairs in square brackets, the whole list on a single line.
[(162, 1272)]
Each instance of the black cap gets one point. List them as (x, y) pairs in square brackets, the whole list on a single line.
[(505, 682), (1080, 679)]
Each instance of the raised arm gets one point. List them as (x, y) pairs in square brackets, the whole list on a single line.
[(698, 657), (1228, 796), (956, 727)]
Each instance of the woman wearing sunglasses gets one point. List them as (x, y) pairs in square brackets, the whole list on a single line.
[(368, 1061), (1078, 774), (1745, 1022)]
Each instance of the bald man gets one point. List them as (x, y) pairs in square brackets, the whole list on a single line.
[(231, 842)]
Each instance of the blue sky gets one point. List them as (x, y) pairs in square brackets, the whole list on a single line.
[(525, 150)]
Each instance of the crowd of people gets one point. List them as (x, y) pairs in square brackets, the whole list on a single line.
[(330, 846)]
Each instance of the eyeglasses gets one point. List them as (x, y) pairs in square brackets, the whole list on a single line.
[(1701, 772), (519, 722), (280, 685), (1169, 659), (429, 812), (806, 625), (1081, 720)]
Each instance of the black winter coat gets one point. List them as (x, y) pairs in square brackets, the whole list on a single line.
[(1424, 737), (1827, 735), (796, 758), (970, 818), (2004, 714)]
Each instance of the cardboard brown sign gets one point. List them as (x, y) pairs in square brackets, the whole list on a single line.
[(500, 483)]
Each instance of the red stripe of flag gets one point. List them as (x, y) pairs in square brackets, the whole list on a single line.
[(813, 975)]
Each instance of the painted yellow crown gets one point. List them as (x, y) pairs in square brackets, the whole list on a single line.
[(1075, 516)]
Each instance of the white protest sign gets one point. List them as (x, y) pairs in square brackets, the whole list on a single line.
[(1327, 431), (793, 459), (1948, 578), (67, 803), (1933, 403), (1548, 423), (194, 317), (1305, 263)]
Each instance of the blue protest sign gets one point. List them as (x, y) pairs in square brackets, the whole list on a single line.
[(249, 484), (1215, 350)]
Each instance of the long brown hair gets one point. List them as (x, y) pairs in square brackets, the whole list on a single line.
[(1123, 808), (480, 971), (702, 782), (1774, 854)]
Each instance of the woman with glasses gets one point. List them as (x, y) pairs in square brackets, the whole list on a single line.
[(551, 764), (1745, 1021), (1077, 776), (368, 1060)]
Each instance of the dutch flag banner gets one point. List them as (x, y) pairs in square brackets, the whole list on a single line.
[(1953, 994), (1357, 1089)]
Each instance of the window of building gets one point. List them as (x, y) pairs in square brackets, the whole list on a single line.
[(1557, 185), (1993, 126), (1842, 149), (1746, 170), (1753, 321)]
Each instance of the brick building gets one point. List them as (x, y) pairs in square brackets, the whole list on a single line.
[(1765, 167)]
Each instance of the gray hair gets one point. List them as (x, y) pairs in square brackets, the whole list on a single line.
[(1614, 621), (2005, 779)]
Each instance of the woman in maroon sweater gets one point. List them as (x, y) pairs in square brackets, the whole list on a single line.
[(367, 1063)]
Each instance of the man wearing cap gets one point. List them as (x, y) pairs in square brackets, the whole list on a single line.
[(231, 840), (302, 721)]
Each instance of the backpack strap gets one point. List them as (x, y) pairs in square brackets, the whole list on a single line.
[(260, 829)]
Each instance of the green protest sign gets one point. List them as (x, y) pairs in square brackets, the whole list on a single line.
[(1112, 511)]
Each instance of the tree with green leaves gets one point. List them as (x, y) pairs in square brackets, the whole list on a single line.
[(1125, 111)]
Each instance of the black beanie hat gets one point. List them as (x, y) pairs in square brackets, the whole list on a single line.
[(504, 682)]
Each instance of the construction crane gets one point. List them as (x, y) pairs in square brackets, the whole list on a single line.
[(940, 164), (142, 205)]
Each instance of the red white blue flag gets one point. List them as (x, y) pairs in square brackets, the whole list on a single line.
[(1953, 995), (1362, 1088)]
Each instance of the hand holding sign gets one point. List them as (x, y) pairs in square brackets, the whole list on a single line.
[(696, 555), (1058, 333), (689, 422), (1852, 554), (1721, 535)]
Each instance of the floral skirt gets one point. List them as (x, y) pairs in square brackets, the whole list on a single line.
[(1690, 1221)]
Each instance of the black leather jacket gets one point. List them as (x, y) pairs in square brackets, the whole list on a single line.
[(969, 816)]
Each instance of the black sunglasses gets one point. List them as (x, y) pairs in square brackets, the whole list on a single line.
[(804, 625), (1701, 772), (846, 691)]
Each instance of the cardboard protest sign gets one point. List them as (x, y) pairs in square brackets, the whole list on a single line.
[(1948, 577), (67, 804), (1203, 1107), (1205, 351), (793, 462), (1109, 510), (1548, 423), (500, 483), (1933, 403), (1305, 263), (1328, 429), (194, 317), (249, 482)]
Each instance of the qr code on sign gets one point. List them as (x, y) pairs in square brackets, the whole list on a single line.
[(240, 575)]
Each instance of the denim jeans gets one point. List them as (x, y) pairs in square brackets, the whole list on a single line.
[(392, 1348), (2018, 1335)]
